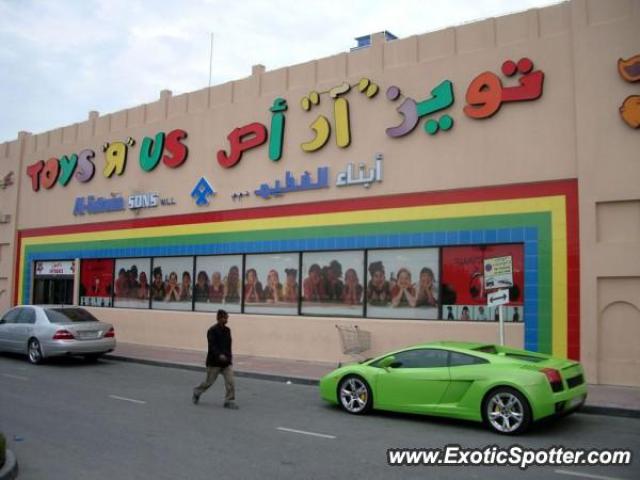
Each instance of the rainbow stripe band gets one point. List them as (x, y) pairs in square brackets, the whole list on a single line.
[(541, 216)]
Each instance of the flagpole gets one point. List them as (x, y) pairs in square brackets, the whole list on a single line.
[(211, 59)]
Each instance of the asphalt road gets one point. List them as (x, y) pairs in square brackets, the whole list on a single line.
[(70, 420)]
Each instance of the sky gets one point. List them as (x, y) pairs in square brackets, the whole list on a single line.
[(60, 59)]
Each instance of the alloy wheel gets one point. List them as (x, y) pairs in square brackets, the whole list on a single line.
[(35, 354), (505, 412), (354, 395)]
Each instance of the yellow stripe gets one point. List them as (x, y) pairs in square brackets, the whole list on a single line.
[(559, 322), (435, 212)]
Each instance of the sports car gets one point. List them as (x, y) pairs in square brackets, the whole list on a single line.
[(505, 388)]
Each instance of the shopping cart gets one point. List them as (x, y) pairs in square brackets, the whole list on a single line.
[(354, 340)]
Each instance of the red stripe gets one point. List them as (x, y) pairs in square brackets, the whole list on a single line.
[(17, 267), (573, 272), (541, 189)]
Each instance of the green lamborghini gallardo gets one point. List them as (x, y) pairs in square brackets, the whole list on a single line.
[(506, 388)]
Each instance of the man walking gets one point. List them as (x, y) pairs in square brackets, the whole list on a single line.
[(219, 361)]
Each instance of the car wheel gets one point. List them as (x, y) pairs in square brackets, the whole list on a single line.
[(506, 411), (34, 352), (355, 395)]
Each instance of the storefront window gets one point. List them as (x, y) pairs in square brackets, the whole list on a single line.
[(403, 283), (132, 285), (96, 282), (171, 283), (218, 283), (464, 290), (333, 283), (271, 284)]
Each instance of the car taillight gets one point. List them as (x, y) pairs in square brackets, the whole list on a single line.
[(555, 380), (63, 335), (110, 334)]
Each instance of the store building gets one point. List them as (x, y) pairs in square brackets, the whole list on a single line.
[(392, 187)]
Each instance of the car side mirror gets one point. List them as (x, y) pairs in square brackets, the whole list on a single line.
[(389, 362)]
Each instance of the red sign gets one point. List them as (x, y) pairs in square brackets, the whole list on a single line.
[(96, 278), (463, 273)]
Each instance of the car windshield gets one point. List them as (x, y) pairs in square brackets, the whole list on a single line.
[(66, 315)]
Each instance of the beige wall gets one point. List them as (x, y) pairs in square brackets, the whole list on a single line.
[(572, 131), (10, 161), (282, 336), (608, 174)]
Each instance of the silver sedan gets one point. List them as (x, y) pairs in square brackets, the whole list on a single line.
[(48, 331)]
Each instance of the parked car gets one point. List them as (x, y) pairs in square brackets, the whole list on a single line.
[(47, 331), (506, 388)]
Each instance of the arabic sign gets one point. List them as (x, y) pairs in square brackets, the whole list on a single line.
[(55, 268), (498, 272), (629, 70), (347, 178), (291, 185), (499, 297), (485, 95)]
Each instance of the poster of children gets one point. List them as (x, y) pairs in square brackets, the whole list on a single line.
[(332, 283), (218, 283), (271, 283), (171, 284), (464, 295), (403, 283), (482, 313), (96, 282), (132, 283)]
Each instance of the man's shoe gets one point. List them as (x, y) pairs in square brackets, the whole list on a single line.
[(195, 399), (231, 405)]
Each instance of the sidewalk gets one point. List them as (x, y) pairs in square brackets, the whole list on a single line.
[(602, 399)]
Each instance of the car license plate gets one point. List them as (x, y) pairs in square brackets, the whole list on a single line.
[(574, 402), (87, 335)]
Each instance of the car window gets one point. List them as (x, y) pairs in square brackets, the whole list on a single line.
[(12, 315), (66, 315), (422, 358), (28, 315), (526, 358), (457, 359), (487, 349)]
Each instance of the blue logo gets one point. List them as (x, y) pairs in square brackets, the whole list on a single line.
[(202, 191)]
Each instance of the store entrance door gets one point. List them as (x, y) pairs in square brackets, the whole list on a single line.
[(53, 291)]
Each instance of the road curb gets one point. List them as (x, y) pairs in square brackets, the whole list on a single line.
[(198, 368), (9, 470), (610, 411), (587, 409)]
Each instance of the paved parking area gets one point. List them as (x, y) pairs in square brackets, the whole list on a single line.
[(67, 420)]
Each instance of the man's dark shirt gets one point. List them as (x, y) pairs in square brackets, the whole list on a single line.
[(219, 340)]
